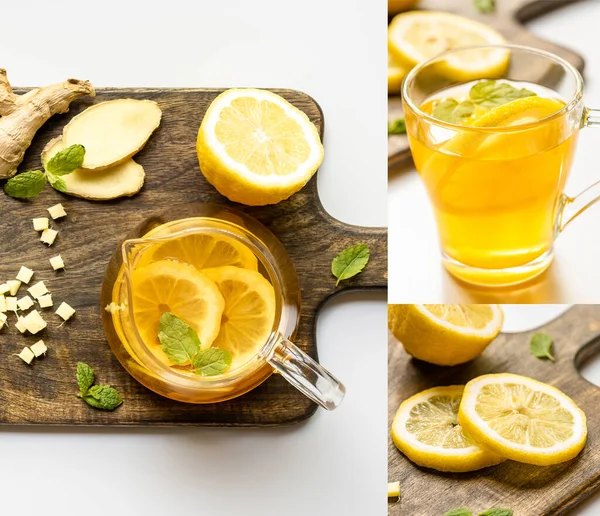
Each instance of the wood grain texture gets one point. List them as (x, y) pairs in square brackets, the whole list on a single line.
[(528, 490), (508, 19), (45, 392)]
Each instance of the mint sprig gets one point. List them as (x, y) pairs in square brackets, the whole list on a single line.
[(31, 183), (350, 262), (101, 397), (485, 6), (181, 344), (483, 96)]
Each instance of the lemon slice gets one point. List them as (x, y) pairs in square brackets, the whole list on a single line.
[(416, 36), (427, 431), (445, 334), (178, 288), (249, 312), (256, 148), (203, 251), (523, 419), (518, 112), (396, 74)]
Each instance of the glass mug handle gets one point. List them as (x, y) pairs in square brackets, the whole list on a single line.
[(308, 376), (571, 207)]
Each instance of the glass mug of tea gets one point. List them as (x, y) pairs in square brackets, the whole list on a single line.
[(494, 149), (224, 277)]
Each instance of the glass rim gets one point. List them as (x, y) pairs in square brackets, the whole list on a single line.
[(570, 104)]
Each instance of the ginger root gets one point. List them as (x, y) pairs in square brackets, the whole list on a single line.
[(122, 180), (22, 115), (112, 131)]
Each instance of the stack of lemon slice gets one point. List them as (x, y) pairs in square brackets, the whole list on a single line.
[(213, 284), (493, 418)]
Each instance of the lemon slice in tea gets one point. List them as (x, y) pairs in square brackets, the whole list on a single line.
[(249, 312)]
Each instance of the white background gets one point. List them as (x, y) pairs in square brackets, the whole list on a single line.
[(335, 464), (415, 271)]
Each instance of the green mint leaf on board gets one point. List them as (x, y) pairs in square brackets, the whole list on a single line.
[(25, 185), (459, 512), (491, 94), (541, 346), (398, 126), (485, 6), (178, 339), (350, 262), (497, 511), (103, 397), (57, 183), (212, 361), (85, 377), (66, 161), (449, 110)]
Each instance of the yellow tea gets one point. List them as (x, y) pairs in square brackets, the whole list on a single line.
[(496, 180)]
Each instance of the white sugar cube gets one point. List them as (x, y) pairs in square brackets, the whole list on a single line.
[(57, 262), (65, 311), (25, 275), (38, 290), (48, 236), (14, 286), (26, 355), (34, 322), (45, 301), (57, 211), (41, 223), (39, 348), (25, 303)]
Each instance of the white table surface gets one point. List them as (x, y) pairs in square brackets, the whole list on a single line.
[(415, 271), (335, 464)]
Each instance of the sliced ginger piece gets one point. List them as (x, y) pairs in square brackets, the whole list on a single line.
[(123, 180), (112, 131)]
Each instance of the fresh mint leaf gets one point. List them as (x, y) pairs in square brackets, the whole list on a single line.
[(450, 110), (541, 346), (496, 511), (103, 397), (211, 361), (25, 185), (491, 94), (66, 161), (350, 262), (178, 339), (398, 126), (57, 183), (459, 512), (485, 6), (85, 377)]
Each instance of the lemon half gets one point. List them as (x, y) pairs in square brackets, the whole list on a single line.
[(256, 148), (427, 431)]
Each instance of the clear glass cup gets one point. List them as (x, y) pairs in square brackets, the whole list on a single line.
[(278, 353), (498, 192)]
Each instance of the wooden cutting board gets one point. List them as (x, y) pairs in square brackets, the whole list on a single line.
[(528, 490), (44, 392), (508, 19)]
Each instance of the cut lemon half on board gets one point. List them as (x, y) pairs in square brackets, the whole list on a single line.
[(203, 251), (523, 419), (396, 74), (178, 288), (416, 36), (256, 148), (445, 334), (427, 431), (249, 312)]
